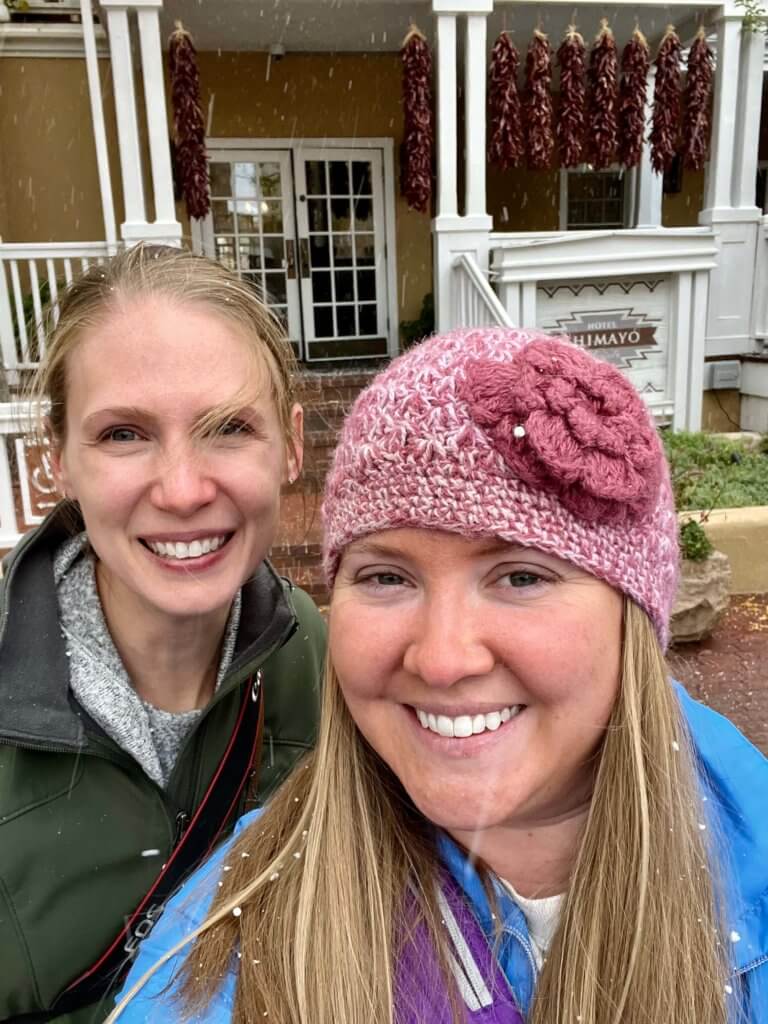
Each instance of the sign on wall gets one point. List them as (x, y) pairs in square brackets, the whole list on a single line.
[(624, 322)]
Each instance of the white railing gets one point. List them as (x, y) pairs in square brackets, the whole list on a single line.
[(27, 489), (31, 276), (760, 291), (475, 303)]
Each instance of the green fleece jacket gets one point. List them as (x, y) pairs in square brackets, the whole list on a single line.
[(77, 812)]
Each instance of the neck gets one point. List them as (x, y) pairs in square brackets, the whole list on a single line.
[(536, 858), (172, 662)]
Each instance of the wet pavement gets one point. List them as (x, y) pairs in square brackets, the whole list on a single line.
[(729, 670)]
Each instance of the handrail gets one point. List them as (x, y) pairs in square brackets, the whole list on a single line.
[(482, 290)]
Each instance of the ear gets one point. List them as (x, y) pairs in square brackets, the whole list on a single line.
[(59, 469), (296, 444)]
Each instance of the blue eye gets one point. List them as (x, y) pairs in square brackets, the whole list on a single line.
[(120, 435), (521, 579), (234, 428)]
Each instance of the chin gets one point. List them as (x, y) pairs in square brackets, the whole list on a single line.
[(459, 815)]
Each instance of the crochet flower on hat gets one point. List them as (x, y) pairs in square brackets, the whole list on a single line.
[(571, 425)]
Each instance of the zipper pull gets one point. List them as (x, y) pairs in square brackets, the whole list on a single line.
[(182, 820)]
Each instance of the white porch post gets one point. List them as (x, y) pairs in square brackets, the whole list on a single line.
[(99, 129), (469, 232), (447, 127), (474, 117), (137, 225), (730, 200), (650, 186)]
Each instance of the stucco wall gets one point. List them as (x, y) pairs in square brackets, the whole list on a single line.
[(48, 176)]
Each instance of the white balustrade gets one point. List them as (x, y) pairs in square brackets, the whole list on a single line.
[(27, 271), (476, 304)]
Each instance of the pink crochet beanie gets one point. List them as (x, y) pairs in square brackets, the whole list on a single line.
[(518, 435)]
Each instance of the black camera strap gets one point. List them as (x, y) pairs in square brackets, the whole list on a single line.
[(208, 821)]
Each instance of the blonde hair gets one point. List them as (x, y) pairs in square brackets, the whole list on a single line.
[(320, 882), (180, 276)]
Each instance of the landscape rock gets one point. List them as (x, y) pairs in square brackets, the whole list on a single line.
[(702, 597)]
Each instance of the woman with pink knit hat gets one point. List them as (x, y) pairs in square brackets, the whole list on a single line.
[(512, 814)]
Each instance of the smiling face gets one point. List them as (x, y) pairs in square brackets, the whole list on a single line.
[(482, 673), (175, 453)]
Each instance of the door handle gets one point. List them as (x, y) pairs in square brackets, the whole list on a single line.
[(304, 257), (290, 259)]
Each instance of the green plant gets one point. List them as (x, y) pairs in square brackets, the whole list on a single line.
[(755, 15), (709, 471), (695, 545), (412, 331)]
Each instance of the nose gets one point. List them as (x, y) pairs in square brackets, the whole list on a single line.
[(449, 642), (183, 484)]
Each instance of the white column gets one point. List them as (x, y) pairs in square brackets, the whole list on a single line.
[(720, 176), (748, 119), (475, 74), (157, 124), (447, 128), (137, 226), (99, 130), (650, 186), (127, 125)]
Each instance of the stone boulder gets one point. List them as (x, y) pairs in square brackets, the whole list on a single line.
[(702, 597)]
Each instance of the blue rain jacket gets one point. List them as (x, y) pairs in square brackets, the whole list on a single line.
[(735, 777)]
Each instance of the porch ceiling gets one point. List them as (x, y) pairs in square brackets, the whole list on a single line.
[(338, 26)]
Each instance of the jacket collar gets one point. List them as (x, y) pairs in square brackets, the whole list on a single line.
[(35, 703)]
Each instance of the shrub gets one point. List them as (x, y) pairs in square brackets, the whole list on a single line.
[(695, 545), (709, 471)]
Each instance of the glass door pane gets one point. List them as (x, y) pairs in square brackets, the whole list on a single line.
[(341, 237), (251, 226)]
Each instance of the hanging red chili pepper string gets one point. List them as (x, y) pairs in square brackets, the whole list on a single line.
[(665, 128), (571, 120), (188, 122), (537, 109), (635, 61), (416, 168), (505, 147), (602, 98), (698, 100)]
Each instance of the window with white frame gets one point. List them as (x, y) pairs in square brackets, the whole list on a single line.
[(593, 199)]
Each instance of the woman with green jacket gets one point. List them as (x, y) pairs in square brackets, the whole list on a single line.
[(156, 676)]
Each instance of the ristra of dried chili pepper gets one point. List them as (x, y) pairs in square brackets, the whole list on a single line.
[(698, 100), (571, 122), (418, 137), (538, 116), (635, 62), (505, 146), (602, 98), (665, 127), (188, 122)]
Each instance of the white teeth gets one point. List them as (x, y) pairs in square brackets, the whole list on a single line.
[(179, 550), (467, 725)]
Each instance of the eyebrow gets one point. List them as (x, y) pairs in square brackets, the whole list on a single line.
[(134, 412), (492, 546)]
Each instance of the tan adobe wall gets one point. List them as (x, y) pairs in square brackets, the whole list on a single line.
[(49, 186)]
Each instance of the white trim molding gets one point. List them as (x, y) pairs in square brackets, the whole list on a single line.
[(63, 39)]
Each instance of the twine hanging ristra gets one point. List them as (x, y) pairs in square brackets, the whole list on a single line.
[(418, 137), (538, 116), (188, 123), (665, 128), (506, 146), (602, 99), (571, 120), (698, 101), (635, 62)]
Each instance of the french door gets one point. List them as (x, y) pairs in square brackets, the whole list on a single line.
[(307, 227)]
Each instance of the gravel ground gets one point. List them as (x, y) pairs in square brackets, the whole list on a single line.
[(729, 670)]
